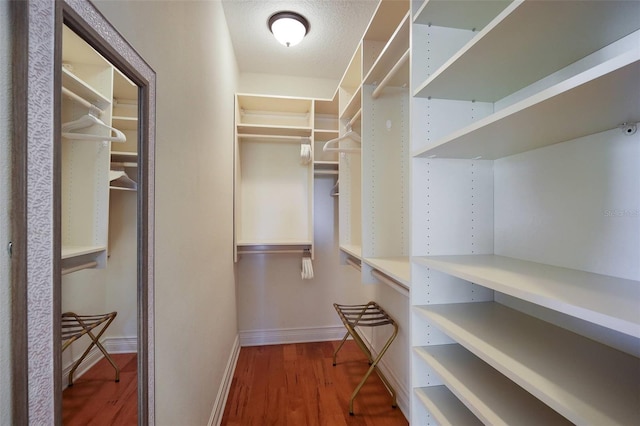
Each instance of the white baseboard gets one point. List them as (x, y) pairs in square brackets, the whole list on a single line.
[(291, 335), (113, 345), (225, 386)]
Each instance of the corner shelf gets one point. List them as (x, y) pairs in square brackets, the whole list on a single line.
[(546, 360), (492, 397)]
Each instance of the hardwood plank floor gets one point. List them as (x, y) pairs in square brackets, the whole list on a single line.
[(96, 399), (297, 385)]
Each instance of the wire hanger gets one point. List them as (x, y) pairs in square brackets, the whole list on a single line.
[(349, 135), (89, 120)]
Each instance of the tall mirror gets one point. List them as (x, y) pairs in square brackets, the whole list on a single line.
[(99, 219), (83, 265)]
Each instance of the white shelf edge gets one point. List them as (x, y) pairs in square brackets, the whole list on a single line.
[(573, 85), (69, 251), (352, 250), (445, 407), (492, 397), (397, 268), (556, 371)]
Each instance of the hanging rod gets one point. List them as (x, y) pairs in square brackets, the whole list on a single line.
[(71, 95), (325, 172), (354, 264), (400, 288), (354, 118), (390, 75), (263, 136), (80, 267)]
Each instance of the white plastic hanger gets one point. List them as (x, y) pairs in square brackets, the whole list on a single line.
[(89, 120), (350, 134)]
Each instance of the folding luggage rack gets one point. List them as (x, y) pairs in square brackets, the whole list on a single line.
[(75, 326), (369, 315)]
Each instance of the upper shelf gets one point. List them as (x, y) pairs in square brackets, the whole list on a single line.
[(82, 89), (395, 48), (604, 300), (526, 42), (593, 101)]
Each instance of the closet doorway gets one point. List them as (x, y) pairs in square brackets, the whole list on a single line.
[(83, 203)]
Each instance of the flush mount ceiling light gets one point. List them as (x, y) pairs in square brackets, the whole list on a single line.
[(289, 28)]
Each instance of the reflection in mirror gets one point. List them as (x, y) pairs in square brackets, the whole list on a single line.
[(99, 220)]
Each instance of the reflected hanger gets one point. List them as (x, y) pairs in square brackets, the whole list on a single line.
[(349, 135), (89, 120)]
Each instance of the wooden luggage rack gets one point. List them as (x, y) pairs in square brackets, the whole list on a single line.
[(75, 326), (369, 315)]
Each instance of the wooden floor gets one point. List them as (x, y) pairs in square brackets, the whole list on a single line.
[(297, 385), (96, 399)]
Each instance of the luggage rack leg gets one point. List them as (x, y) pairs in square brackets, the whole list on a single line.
[(75, 326), (369, 315)]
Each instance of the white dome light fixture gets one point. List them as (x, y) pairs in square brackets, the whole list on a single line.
[(289, 28)]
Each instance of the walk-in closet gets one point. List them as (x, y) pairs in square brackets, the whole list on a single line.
[(419, 212)]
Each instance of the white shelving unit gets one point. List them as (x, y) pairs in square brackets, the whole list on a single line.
[(325, 128), (87, 79), (273, 187), (525, 286), (374, 183)]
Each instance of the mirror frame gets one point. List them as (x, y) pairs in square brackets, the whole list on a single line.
[(36, 233)]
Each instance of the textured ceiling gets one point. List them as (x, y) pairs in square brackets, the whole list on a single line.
[(336, 28)]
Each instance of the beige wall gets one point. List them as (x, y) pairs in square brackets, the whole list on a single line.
[(5, 187), (188, 46)]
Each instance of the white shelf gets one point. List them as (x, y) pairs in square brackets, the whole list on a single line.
[(82, 89), (492, 397), (585, 381), (513, 50), (391, 53), (117, 188), (398, 268), (268, 130), (604, 300), (354, 104), (124, 123), (463, 14), (445, 408), (594, 101), (75, 251), (352, 250)]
